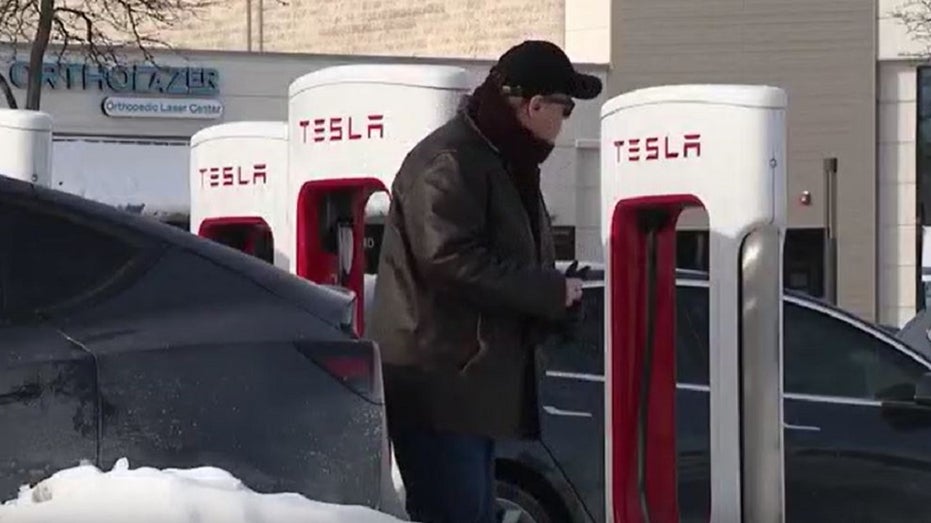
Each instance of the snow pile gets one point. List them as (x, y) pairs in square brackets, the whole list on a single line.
[(84, 494)]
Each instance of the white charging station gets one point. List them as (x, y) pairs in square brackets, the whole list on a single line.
[(664, 149), (350, 129), (359, 121), (26, 145), (238, 177)]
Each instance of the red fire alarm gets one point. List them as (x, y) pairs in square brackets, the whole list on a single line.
[(805, 198)]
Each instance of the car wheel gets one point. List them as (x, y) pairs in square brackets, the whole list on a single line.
[(516, 505)]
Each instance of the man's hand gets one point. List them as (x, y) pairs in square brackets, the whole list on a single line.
[(574, 279), (573, 270), (573, 291)]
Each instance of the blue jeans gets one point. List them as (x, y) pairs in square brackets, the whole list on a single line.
[(448, 478)]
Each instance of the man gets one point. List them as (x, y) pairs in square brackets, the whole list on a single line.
[(466, 283)]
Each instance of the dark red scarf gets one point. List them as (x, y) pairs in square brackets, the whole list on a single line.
[(521, 151)]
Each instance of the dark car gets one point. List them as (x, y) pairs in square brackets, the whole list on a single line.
[(858, 437), (121, 336)]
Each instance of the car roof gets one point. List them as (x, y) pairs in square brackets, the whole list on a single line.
[(596, 271), (595, 278), (328, 304)]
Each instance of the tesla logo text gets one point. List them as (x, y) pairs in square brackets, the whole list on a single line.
[(228, 175), (655, 148), (339, 128)]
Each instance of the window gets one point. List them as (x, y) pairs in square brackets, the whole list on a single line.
[(692, 250), (824, 355), (593, 309), (923, 144), (48, 259), (803, 261), (691, 330), (827, 356), (564, 242), (692, 335), (584, 347)]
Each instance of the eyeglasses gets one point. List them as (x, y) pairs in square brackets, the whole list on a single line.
[(568, 104)]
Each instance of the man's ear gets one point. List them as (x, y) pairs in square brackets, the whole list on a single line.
[(535, 103)]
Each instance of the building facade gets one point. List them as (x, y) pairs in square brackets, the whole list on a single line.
[(478, 29), (859, 92), (824, 55)]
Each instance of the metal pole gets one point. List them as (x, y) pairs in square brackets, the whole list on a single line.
[(830, 230)]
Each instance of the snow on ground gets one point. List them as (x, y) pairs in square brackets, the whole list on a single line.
[(84, 494)]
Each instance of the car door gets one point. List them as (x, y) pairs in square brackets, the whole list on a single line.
[(858, 448), (572, 399), (572, 402), (48, 395)]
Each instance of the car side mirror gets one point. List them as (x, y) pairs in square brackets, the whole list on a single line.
[(923, 390)]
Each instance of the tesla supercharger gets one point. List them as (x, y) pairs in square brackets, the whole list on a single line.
[(26, 145), (238, 176), (351, 127), (664, 149)]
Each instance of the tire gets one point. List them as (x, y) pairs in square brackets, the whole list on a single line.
[(516, 505)]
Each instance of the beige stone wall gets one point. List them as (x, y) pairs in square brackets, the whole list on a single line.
[(823, 53), (440, 28)]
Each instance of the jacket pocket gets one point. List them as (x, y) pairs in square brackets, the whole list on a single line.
[(483, 337), (499, 345)]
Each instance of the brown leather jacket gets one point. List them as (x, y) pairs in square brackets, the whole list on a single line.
[(462, 294)]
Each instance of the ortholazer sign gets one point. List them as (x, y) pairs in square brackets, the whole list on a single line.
[(123, 79)]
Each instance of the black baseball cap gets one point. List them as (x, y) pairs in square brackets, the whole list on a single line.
[(538, 67)]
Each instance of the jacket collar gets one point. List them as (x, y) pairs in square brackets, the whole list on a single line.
[(470, 122)]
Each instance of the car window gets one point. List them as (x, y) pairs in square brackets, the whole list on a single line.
[(50, 259), (592, 332), (585, 347), (824, 355), (691, 331), (827, 356), (692, 335)]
